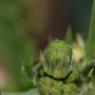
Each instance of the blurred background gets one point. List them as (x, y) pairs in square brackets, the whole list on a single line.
[(26, 27)]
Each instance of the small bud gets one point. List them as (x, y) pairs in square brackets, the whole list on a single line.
[(57, 60)]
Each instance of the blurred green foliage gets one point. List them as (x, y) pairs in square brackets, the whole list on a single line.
[(17, 51), (30, 92)]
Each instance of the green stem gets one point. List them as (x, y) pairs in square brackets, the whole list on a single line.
[(90, 47)]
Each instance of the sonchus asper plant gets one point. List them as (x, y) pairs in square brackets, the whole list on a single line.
[(60, 76), (57, 67)]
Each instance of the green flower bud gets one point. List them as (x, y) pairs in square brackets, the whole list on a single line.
[(57, 62), (48, 86)]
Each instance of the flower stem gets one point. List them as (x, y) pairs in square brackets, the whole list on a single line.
[(91, 36)]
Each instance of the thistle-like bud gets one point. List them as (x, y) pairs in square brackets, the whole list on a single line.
[(57, 59), (48, 86)]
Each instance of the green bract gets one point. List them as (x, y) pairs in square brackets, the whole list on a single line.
[(48, 86), (57, 59)]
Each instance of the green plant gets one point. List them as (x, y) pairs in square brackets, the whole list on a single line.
[(59, 74)]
